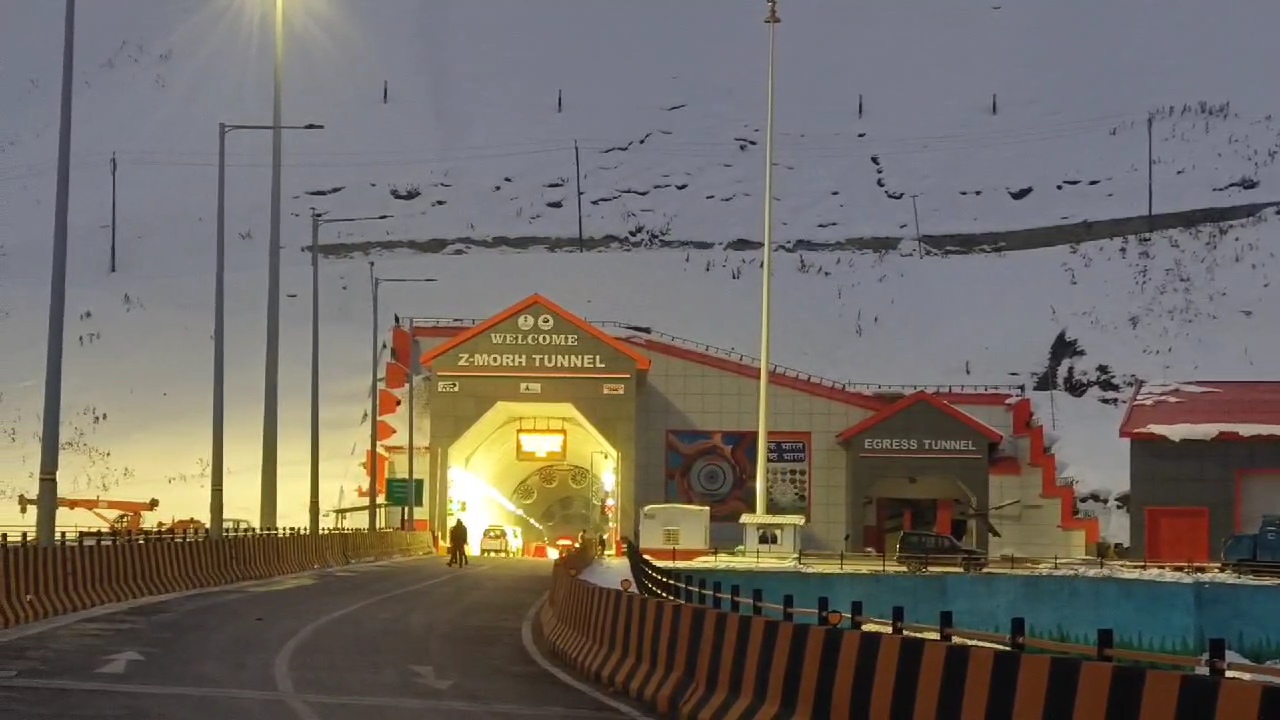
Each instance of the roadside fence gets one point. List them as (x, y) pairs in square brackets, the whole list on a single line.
[(665, 583), (686, 660), (42, 582), (888, 563)]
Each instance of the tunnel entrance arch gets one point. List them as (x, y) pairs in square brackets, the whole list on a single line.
[(532, 369)]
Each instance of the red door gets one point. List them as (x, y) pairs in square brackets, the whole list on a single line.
[(1177, 534)]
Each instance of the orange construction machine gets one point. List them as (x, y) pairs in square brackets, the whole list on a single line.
[(129, 515)]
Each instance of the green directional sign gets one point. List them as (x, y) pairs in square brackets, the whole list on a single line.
[(398, 492)]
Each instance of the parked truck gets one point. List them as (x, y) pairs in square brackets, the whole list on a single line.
[(1255, 552)]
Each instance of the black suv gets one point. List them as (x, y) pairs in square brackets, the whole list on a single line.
[(917, 550)]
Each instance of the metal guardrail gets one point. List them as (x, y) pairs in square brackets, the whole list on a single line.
[(735, 356), (881, 563), (655, 581)]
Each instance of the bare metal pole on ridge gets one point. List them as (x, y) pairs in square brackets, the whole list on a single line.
[(762, 431), (50, 438), (271, 390)]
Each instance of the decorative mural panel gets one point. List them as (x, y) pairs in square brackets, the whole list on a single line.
[(716, 468)]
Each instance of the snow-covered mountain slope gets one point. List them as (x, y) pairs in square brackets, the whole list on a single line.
[(471, 120), (666, 101)]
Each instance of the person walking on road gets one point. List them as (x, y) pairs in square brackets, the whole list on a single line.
[(458, 544)]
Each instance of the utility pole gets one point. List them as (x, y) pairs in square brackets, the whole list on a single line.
[(113, 212), (1151, 172), (916, 213), (271, 385), (50, 439), (577, 169), (762, 430)]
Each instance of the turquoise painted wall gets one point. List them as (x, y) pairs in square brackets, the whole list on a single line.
[(1168, 617)]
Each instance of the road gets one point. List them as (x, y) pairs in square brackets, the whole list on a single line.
[(391, 641)]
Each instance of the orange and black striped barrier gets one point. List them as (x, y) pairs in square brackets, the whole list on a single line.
[(42, 582), (689, 661)]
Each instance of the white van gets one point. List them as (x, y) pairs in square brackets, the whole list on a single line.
[(502, 540)]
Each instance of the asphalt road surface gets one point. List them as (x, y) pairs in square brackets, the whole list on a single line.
[(394, 641)]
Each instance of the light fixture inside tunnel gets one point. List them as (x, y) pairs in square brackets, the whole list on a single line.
[(467, 486), (541, 445), (609, 479)]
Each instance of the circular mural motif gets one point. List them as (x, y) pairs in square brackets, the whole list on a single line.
[(546, 322), (525, 493), (549, 477), (711, 477), (579, 478), (525, 322)]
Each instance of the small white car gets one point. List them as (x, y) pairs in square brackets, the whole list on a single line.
[(502, 540)]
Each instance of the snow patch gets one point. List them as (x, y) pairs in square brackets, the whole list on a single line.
[(1159, 392), (1163, 388), (609, 572), (1209, 431), (1236, 658)]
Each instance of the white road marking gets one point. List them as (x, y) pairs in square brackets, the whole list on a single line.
[(52, 623), (484, 710), (284, 680), (119, 662), (526, 636), (427, 676)]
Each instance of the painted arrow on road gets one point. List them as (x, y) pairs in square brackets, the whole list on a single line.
[(119, 662), (427, 676)]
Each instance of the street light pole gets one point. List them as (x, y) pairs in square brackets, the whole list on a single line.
[(374, 284), (373, 407), (313, 506), (271, 389), (50, 437), (216, 460), (762, 432), (216, 464), (413, 481)]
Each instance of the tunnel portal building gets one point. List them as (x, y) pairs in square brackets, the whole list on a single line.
[(537, 417)]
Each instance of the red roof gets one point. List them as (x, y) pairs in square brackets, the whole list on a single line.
[(983, 429), (1209, 410), (641, 360)]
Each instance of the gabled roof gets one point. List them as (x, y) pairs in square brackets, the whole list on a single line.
[(915, 398), (641, 360), (1208, 410)]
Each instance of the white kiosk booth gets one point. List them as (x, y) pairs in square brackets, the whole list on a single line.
[(771, 534)]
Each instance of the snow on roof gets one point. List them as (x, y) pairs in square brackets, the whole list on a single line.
[(1208, 431), (755, 519), (1204, 410)]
